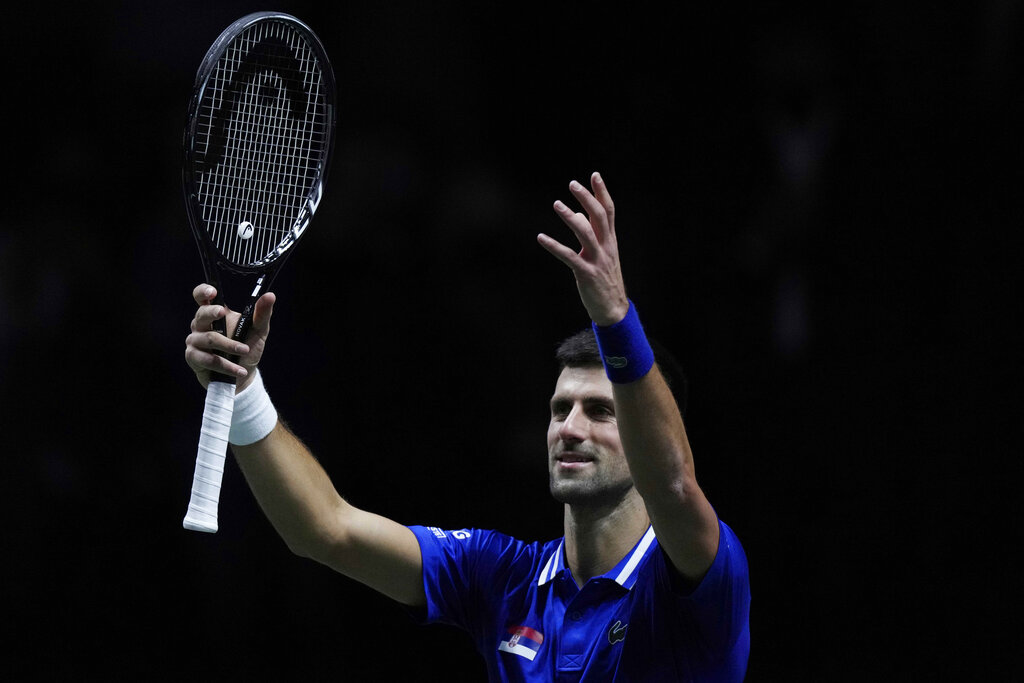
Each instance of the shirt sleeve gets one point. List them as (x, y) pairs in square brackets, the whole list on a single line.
[(721, 601), (461, 570)]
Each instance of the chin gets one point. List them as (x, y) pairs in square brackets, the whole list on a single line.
[(568, 492), (575, 492)]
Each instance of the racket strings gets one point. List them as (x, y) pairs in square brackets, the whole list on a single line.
[(254, 198)]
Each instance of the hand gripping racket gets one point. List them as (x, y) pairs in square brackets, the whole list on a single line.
[(257, 144)]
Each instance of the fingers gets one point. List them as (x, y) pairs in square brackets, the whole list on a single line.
[(604, 197), (206, 315), (599, 208), (580, 226), (594, 227), (203, 363), (596, 265), (203, 294), (558, 250), (208, 312), (211, 341), (203, 349)]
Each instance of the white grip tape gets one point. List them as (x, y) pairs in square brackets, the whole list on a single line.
[(213, 448)]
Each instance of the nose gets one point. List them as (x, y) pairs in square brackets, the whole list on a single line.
[(573, 427)]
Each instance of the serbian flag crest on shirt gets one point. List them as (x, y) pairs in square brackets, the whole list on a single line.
[(522, 641)]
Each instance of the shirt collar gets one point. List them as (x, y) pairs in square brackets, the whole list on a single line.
[(624, 573)]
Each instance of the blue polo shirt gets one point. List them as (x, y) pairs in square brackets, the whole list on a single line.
[(530, 621)]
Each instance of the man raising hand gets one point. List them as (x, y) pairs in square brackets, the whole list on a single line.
[(647, 584)]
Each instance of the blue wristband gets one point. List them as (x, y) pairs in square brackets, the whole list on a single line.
[(625, 351)]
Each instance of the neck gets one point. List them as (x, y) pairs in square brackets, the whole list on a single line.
[(597, 537)]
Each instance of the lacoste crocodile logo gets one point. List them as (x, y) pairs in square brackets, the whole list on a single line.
[(617, 633)]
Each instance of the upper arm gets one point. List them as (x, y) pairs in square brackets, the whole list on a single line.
[(687, 530), (377, 552)]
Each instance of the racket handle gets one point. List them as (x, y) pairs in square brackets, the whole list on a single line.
[(213, 448)]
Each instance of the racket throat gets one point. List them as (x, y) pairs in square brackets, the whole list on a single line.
[(245, 319)]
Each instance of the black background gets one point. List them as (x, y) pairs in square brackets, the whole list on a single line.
[(815, 212)]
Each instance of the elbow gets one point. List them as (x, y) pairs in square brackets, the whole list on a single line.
[(301, 545), (317, 550), (319, 534), (312, 543), (324, 543), (675, 489), (685, 487), (303, 550)]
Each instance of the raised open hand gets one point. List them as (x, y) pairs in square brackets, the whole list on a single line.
[(596, 264)]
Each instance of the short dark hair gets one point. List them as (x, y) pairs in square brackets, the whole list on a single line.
[(580, 351)]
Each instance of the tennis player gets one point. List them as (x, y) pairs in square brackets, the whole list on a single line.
[(647, 584)]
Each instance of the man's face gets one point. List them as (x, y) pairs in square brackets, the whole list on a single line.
[(585, 459)]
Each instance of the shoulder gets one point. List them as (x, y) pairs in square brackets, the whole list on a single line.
[(716, 610), (469, 573), (481, 548), (730, 561), (728, 573)]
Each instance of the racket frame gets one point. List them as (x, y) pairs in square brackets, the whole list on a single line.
[(259, 275)]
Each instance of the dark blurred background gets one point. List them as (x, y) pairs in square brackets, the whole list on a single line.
[(815, 213)]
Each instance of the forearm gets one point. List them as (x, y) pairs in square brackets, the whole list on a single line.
[(292, 489), (653, 437), (300, 501)]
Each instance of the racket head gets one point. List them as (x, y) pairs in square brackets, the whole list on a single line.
[(258, 143)]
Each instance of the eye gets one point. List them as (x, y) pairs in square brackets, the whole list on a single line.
[(600, 411), (559, 410)]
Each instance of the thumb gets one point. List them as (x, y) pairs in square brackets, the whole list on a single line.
[(262, 313)]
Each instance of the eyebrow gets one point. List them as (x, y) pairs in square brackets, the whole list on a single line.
[(589, 399)]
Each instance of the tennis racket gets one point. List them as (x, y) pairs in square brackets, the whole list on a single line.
[(258, 141)]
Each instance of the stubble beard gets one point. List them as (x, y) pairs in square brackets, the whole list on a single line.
[(598, 489)]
